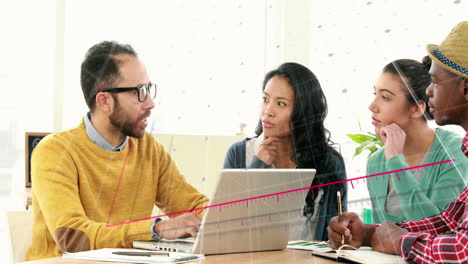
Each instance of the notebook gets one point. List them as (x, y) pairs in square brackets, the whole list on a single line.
[(361, 255), (109, 254), (259, 221)]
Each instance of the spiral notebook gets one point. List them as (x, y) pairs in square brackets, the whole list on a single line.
[(361, 255)]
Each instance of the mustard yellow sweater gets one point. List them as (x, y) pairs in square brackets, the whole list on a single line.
[(75, 183)]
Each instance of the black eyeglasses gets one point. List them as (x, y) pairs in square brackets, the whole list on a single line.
[(143, 91)]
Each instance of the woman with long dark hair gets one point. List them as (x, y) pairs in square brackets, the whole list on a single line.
[(291, 134), (399, 114)]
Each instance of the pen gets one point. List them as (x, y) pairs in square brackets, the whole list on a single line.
[(340, 209), (140, 253), (186, 258)]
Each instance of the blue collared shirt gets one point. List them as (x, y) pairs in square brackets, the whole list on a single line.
[(99, 140)]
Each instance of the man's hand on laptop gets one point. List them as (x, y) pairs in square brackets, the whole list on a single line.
[(182, 226)]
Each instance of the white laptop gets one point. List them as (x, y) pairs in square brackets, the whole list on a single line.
[(251, 210)]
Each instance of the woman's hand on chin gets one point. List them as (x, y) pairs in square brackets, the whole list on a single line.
[(394, 139)]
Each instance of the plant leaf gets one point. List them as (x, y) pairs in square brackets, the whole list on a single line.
[(378, 141), (359, 138), (367, 141), (366, 145)]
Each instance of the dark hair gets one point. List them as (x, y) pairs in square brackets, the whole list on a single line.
[(100, 68), (417, 78), (312, 144)]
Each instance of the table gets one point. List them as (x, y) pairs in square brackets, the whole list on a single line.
[(285, 256)]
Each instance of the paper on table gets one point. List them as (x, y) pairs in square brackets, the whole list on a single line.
[(105, 254), (308, 245)]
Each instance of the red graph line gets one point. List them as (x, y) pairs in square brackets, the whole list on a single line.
[(278, 193)]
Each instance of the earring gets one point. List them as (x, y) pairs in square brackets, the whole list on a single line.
[(413, 116)]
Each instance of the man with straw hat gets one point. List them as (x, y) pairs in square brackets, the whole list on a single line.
[(441, 238)]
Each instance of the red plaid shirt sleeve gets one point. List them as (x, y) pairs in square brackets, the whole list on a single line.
[(439, 239), (465, 145)]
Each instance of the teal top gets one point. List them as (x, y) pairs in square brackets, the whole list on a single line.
[(438, 185)]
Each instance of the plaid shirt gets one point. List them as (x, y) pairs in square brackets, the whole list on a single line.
[(442, 238), (465, 145)]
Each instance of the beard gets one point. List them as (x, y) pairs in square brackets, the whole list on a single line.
[(120, 120)]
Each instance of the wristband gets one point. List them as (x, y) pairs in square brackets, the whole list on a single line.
[(153, 233)]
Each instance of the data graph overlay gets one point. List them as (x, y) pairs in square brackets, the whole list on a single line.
[(260, 195)]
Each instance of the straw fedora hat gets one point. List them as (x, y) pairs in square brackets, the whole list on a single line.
[(452, 53)]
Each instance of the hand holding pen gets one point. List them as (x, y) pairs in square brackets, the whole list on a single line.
[(349, 226)]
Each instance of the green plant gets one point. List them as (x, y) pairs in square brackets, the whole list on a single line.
[(367, 141)]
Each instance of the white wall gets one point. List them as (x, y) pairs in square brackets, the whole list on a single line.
[(208, 59), (27, 98)]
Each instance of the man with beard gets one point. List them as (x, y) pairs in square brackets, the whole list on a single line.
[(95, 185)]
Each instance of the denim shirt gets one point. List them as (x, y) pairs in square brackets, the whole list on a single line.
[(99, 140)]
